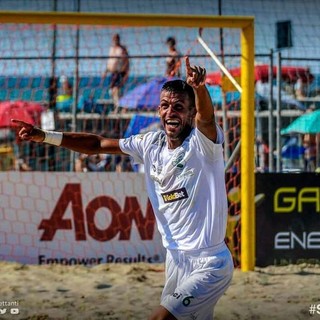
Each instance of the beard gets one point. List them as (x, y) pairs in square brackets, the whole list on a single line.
[(179, 133)]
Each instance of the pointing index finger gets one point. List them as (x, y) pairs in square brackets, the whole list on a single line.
[(21, 123)]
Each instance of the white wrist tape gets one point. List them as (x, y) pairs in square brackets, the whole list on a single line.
[(53, 137)]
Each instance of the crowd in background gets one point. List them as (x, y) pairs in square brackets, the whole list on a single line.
[(297, 153)]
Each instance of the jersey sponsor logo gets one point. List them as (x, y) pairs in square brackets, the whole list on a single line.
[(174, 195)]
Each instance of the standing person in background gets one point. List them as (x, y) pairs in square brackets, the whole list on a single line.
[(173, 61), (93, 163), (53, 92), (118, 67), (300, 89), (184, 172), (310, 152), (64, 99)]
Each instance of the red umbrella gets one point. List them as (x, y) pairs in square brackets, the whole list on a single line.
[(261, 72), (34, 109), (13, 110)]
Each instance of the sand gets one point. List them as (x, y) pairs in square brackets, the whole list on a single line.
[(131, 291)]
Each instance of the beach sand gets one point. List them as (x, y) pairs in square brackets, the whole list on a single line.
[(132, 291)]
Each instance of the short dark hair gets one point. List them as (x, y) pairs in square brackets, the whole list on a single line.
[(171, 41), (179, 86)]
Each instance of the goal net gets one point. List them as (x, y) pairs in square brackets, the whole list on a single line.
[(53, 66)]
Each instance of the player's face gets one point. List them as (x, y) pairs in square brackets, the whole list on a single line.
[(176, 115)]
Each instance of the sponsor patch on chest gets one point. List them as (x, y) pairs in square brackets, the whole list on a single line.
[(174, 195)]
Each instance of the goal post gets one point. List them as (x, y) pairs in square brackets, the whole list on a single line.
[(247, 129), (247, 151)]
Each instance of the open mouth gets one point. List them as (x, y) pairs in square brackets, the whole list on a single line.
[(172, 123)]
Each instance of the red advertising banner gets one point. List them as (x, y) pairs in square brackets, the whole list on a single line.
[(77, 218)]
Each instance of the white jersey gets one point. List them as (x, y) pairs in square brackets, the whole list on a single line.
[(186, 187)]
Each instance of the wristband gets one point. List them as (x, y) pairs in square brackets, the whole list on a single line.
[(53, 137)]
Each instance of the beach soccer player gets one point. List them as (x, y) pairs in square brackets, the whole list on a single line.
[(184, 174)]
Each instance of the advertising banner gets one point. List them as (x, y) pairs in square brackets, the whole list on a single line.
[(288, 219), (77, 218)]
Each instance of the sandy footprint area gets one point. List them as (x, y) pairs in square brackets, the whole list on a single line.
[(132, 291)]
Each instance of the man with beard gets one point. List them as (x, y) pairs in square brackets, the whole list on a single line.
[(184, 173)]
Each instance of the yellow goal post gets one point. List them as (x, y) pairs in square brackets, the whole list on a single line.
[(246, 26)]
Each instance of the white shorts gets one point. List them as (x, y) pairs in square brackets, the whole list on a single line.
[(195, 281)]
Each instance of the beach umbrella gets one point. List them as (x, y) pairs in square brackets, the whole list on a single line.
[(261, 73), (262, 93), (144, 96), (13, 110), (35, 109), (308, 123), (140, 122)]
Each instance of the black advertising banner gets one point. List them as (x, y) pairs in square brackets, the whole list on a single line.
[(287, 218)]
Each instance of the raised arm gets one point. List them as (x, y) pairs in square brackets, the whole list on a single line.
[(205, 118), (82, 142)]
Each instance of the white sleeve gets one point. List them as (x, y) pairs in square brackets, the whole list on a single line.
[(210, 149), (131, 147), (220, 135), (136, 145)]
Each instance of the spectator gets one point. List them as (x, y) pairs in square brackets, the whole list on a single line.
[(47, 117), (292, 154), (64, 99), (88, 104), (118, 67), (300, 89), (173, 60), (93, 163), (22, 165), (53, 91), (123, 164), (310, 152), (262, 155), (80, 165)]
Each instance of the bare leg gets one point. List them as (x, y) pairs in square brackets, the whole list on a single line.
[(115, 97)]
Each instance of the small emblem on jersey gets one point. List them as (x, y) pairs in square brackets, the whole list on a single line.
[(157, 169), (174, 195), (140, 136), (177, 160)]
